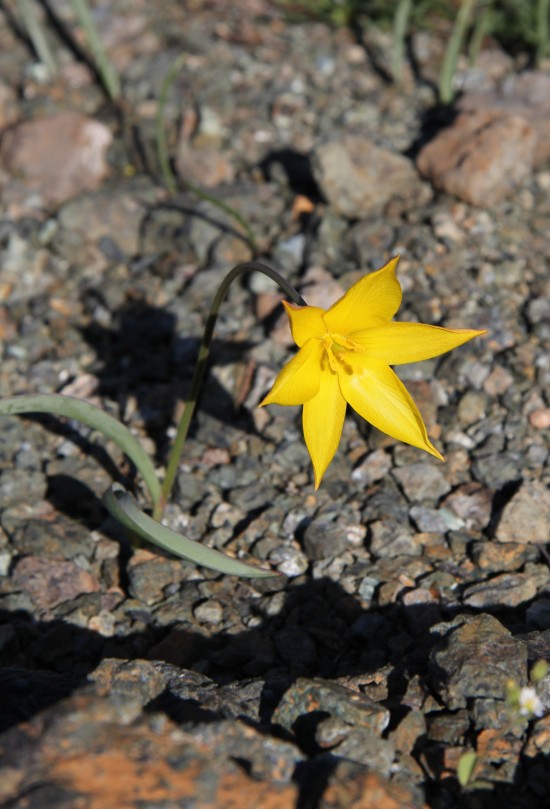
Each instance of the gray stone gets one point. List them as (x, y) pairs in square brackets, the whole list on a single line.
[(471, 503), (307, 695), (358, 178), (16, 485), (506, 590), (476, 659), (289, 560), (374, 467), (450, 728), (422, 481), (389, 538), (209, 612), (133, 679), (496, 469), (437, 521), (266, 757), (324, 538)]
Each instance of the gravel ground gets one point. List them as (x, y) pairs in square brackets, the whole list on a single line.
[(410, 591)]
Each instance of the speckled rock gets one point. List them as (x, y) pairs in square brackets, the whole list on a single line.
[(313, 696), (507, 590), (476, 658), (422, 481), (358, 178), (50, 582), (95, 751), (362, 789), (164, 683)]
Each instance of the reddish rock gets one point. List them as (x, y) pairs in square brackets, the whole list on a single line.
[(204, 167), (8, 105), (57, 157), (354, 789), (494, 557), (539, 740), (481, 158), (498, 381), (526, 94), (50, 582), (526, 517), (92, 753), (540, 418)]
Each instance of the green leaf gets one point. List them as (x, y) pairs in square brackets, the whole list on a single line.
[(93, 417), (465, 768), (122, 506)]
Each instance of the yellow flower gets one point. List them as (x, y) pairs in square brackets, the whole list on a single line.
[(344, 358)]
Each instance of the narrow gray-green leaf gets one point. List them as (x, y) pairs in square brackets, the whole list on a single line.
[(122, 506), (94, 417), (465, 769)]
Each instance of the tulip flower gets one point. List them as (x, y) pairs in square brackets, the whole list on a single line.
[(345, 357)]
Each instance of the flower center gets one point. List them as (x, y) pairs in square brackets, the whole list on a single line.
[(336, 348)]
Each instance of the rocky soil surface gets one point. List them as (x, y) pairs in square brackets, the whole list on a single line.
[(409, 591)]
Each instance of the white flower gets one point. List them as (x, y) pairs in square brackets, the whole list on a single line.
[(529, 702)]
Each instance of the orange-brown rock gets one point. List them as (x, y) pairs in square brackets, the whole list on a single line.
[(57, 157), (481, 158)]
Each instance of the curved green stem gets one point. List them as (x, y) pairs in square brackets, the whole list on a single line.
[(162, 149), (202, 360)]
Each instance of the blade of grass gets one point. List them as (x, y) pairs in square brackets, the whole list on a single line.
[(448, 69), (162, 148), (481, 28), (107, 72), (543, 12), (400, 26), (37, 37)]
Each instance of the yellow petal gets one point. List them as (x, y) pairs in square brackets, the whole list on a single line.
[(323, 419), (298, 381), (305, 322), (397, 343), (373, 300), (376, 393)]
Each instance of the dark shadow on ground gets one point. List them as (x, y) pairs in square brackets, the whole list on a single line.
[(297, 172), (142, 356), (438, 117), (320, 631)]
